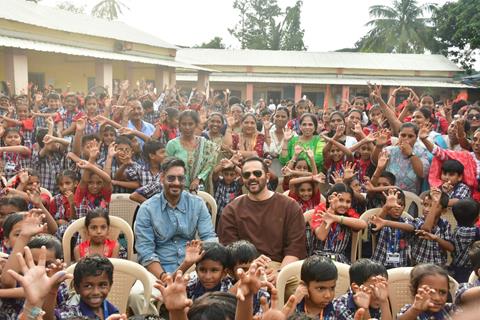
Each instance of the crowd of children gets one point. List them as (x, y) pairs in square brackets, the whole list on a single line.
[(353, 169)]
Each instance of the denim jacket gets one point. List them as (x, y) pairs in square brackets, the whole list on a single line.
[(162, 231)]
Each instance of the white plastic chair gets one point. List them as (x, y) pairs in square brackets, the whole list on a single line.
[(473, 277), (211, 203), (293, 270), (121, 206), (117, 225), (125, 274), (399, 288)]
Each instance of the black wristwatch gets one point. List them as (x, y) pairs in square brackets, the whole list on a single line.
[(411, 155)]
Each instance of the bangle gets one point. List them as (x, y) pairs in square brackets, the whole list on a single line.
[(341, 220), (161, 275)]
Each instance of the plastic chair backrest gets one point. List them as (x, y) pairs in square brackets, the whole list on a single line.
[(399, 288), (125, 274), (473, 277), (121, 206), (410, 198), (293, 270), (211, 204), (117, 226)]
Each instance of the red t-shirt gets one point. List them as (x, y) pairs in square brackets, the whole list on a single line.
[(316, 220)]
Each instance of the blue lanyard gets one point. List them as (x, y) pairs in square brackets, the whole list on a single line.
[(332, 239), (396, 240), (105, 310)]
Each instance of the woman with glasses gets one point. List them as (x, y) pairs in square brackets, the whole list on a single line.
[(198, 153), (473, 119)]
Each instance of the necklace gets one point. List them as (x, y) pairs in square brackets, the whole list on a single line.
[(320, 315)]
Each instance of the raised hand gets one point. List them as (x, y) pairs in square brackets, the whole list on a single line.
[(287, 134), (422, 234), (339, 132), (262, 261), (250, 282), (35, 198), (349, 170), (47, 139), (23, 176), (320, 178), (362, 296), (422, 301), (35, 281), (405, 148), (425, 130), (383, 137), (297, 150), (83, 164), (286, 171), (33, 223), (337, 177), (301, 292), (112, 152), (378, 222), (383, 159), (80, 124), (267, 125), (447, 187), (193, 252), (392, 199), (175, 293), (380, 289), (310, 154)]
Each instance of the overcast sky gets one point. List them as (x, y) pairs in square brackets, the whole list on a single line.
[(329, 24)]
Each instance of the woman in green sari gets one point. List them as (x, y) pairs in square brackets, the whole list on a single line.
[(198, 153), (309, 139)]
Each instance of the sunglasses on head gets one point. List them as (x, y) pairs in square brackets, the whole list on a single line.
[(473, 116), (256, 173), (171, 178)]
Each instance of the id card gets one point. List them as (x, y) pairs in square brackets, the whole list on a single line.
[(393, 258), (10, 166)]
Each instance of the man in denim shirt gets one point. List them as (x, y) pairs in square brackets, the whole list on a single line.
[(168, 220), (164, 225)]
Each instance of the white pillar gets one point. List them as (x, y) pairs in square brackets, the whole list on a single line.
[(203, 81), (16, 69), (104, 75)]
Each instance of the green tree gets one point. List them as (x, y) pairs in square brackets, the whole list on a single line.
[(66, 5), (108, 9), (263, 25), (457, 29), (400, 28), (215, 43)]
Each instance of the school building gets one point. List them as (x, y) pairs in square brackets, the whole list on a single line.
[(50, 46)]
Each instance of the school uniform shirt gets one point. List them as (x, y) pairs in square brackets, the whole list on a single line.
[(345, 308), (338, 238), (460, 191), (195, 288), (445, 313), (464, 287), (83, 310), (224, 193), (462, 238), (14, 162), (429, 251), (49, 167), (141, 174), (135, 167), (86, 202), (391, 240), (151, 189), (306, 204), (327, 314)]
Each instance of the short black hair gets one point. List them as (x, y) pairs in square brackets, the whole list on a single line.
[(67, 173), (123, 139), (465, 212), (361, 270), (53, 96), (255, 158), (171, 162), (97, 213), (214, 306), (216, 252), (313, 118), (147, 104), (48, 241), (389, 176), (474, 255), (453, 166), (150, 147), (89, 137), (18, 202), (189, 114), (10, 221), (338, 188), (93, 265), (172, 112), (318, 268), (242, 251), (410, 125)]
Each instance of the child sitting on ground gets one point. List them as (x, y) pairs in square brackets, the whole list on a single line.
[(97, 223), (429, 284), (92, 279), (452, 185), (211, 272), (433, 237), (466, 213), (368, 290), (316, 291), (393, 232), (469, 292)]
